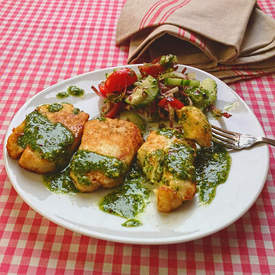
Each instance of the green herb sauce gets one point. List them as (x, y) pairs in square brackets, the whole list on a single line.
[(55, 107), (62, 95), (132, 223), (178, 158), (179, 161), (76, 111), (101, 118), (129, 199), (60, 182), (153, 165), (167, 132), (51, 140), (75, 91), (212, 168), (84, 162)]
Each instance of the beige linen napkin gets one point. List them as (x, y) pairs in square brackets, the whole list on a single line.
[(232, 39)]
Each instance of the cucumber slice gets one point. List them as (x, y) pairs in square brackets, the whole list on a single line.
[(135, 118), (211, 86), (171, 81), (145, 92), (190, 82), (173, 74)]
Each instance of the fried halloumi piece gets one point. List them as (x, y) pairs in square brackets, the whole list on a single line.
[(114, 138), (195, 125), (153, 156), (32, 160)]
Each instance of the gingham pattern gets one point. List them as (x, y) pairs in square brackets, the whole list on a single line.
[(43, 42)]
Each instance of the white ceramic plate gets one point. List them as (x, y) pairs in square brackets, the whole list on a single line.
[(80, 212)]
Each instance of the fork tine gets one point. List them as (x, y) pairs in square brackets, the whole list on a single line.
[(230, 141), (223, 134), (224, 142), (228, 138), (226, 145), (223, 130)]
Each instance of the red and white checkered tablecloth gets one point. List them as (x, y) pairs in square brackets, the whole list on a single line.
[(44, 42)]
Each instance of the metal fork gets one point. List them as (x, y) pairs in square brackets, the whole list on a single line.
[(237, 141)]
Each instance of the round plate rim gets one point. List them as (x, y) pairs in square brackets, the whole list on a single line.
[(131, 240)]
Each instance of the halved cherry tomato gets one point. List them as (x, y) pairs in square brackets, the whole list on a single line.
[(173, 102), (151, 69), (119, 80), (102, 89), (115, 109)]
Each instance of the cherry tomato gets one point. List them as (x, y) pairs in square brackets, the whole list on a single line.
[(119, 80), (175, 103), (151, 69), (102, 89), (115, 109)]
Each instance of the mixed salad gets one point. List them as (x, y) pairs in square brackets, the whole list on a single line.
[(156, 92)]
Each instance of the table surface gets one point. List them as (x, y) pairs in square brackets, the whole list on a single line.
[(44, 42)]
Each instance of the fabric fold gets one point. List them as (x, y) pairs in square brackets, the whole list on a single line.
[(211, 35)]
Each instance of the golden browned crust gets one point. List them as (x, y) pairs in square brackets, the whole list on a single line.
[(111, 137), (31, 160), (167, 199), (94, 184), (97, 180), (177, 191), (14, 150)]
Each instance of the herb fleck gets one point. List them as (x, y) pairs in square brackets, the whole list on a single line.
[(55, 107), (62, 95), (75, 91)]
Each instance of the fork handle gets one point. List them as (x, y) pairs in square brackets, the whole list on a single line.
[(266, 140)]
